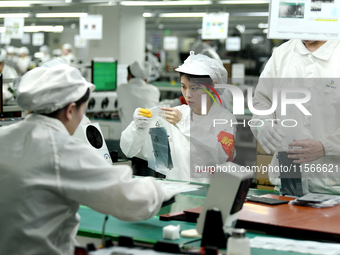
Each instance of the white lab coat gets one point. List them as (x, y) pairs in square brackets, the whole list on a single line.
[(156, 66), (23, 64), (136, 93), (293, 60), (45, 58), (70, 59), (8, 72), (45, 175), (192, 143)]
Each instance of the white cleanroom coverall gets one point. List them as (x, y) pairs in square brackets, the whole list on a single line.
[(192, 143), (46, 173), (23, 64), (136, 93), (69, 58), (8, 72), (293, 60)]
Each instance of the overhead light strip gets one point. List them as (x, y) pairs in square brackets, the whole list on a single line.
[(62, 15), (15, 4), (34, 29), (201, 14), (148, 15), (164, 3), (244, 2), (249, 14), (182, 15), (14, 15)]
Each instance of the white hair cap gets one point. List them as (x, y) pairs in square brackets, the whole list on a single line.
[(10, 49), (203, 65), (3, 55), (148, 46), (23, 50), (47, 89), (139, 70), (67, 46), (54, 62), (44, 49)]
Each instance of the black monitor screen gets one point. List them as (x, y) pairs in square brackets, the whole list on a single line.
[(241, 195), (104, 75)]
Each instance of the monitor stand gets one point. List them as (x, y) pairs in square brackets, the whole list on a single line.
[(213, 233)]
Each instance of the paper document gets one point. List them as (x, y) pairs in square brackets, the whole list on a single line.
[(307, 247), (180, 186), (307, 20)]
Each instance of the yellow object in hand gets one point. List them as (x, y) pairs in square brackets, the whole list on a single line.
[(145, 112)]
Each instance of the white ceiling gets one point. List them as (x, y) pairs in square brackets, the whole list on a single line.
[(239, 14)]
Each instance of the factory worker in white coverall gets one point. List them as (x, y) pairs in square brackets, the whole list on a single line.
[(315, 141), (7, 72), (194, 141), (46, 173), (67, 54), (23, 61), (136, 93)]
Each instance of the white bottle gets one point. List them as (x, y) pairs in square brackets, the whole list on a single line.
[(238, 243)]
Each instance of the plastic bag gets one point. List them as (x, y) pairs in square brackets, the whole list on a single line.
[(157, 142)]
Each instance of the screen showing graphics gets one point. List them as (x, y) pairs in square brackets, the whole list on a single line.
[(304, 19), (104, 75), (233, 43)]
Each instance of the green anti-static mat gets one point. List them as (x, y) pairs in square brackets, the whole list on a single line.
[(149, 231)]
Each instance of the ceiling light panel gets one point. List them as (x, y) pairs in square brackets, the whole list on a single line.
[(34, 29), (164, 3), (14, 15), (148, 15), (249, 14), (15, 3), (62, 15), (244, 2), (182, 15)]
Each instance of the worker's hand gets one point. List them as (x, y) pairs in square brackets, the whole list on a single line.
[(141, 121), (310, 150), (269, 136), (172, 115)]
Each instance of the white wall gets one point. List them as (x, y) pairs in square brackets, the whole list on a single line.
[(132, 35), (123, 34)]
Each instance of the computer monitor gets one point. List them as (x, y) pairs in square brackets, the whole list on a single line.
[(227, 192), (104, 74)]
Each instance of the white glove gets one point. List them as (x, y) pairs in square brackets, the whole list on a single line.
[(269, 136), (140, 121)]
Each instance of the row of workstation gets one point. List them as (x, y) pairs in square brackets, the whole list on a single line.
[(289, 221)]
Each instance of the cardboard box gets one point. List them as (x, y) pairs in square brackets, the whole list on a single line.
[(265, 187), (260, 150), (261, 176)]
